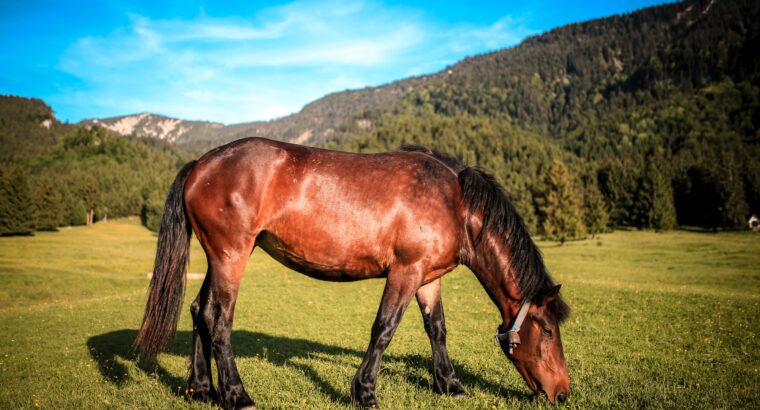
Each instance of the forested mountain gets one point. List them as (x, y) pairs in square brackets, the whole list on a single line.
[(556, 82), (648, 119), (332, 115), (55, 174), (657, 110), (28, 128), (147, 125)]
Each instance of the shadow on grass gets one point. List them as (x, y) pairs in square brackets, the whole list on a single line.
[(107, 348)]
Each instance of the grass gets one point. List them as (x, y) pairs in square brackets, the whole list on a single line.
[(664, 320)]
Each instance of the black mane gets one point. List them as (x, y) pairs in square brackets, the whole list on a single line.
[(481, 192)]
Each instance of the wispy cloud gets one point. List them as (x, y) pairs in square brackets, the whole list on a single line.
[(236, 69)]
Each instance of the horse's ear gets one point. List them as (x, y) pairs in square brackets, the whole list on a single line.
[(552, 295)]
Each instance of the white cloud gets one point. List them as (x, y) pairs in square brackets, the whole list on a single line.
[(235, 69)]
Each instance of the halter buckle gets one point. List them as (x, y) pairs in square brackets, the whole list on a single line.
[(514, 338)]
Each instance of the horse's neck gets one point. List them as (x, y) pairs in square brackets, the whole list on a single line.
[(490, 263)]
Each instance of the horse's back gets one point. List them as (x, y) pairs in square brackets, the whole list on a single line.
[(329, 214)]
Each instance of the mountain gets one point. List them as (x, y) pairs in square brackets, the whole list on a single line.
[(655, 115), (157, 126), (324, 118), (27, 128), (569, 81), (54, 174), (656, 111), (554, 83)]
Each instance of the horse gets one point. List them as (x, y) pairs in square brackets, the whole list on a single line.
[(408, 216)]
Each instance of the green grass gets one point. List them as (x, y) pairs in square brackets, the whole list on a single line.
[(659, 320)]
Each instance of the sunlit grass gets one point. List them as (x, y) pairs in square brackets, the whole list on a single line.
[(659, 320)]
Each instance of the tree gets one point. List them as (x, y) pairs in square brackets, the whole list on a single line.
[(617, 182), (662, 214), (151, 212), (735, 209), (562, 205), (596, 216), (47, 203), (16, 213), (524, 205)]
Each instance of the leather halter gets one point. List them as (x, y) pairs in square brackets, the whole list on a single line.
[(512, 334)]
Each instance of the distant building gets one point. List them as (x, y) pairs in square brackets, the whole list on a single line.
[(754, 223)]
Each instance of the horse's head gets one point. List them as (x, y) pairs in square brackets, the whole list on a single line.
[(536, 348)]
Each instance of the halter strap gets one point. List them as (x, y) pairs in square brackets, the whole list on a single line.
[(512, 334)]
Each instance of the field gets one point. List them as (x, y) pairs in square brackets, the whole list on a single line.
[(659, 320)]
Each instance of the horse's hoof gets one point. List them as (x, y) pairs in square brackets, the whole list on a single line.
[(453, 389), (205, 396), (245, 405), (364, 400), (368, 404), (457, 391)]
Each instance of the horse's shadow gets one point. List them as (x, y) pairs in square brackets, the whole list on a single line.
[(277, 350)]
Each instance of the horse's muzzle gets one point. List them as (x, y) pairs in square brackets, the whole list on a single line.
[(561, 397)]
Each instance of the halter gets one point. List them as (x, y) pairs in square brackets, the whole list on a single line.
[(512, 334)]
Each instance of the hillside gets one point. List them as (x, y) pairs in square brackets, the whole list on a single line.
[(156, 126), (568, 82), (324, 118), (27, 128), (657, 111), (649, 119), (52, 174), (561, 83)]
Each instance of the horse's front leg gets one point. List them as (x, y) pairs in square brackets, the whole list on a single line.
[(444, 379), (399, 289)]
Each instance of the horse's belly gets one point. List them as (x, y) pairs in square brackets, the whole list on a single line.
[(323, 258)]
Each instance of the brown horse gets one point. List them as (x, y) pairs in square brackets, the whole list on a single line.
[(408, 216)]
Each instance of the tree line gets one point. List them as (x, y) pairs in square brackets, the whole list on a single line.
[(73, 175), (684, 161)]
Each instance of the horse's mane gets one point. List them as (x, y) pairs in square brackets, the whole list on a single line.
[(481, 192), (447, 159)]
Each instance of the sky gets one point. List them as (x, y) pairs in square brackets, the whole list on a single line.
[(240, 61)]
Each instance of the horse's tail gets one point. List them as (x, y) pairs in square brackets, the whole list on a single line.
[(167, 286)]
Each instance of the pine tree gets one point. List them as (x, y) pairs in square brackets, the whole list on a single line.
[(48, 203), (617, 182), (735, 209), (662, 214), (562, 205), (524, 205), (16, 214), (596, 215)]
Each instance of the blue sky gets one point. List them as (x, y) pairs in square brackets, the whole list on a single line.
[(248, 60)]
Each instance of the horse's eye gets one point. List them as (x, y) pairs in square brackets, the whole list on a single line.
[(547, 332)]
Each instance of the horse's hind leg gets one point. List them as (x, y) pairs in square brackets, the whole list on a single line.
[(444, 379), (199, 385), (226, 274), (399, 289)]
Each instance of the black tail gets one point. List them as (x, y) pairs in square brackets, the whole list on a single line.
[(167, 286)]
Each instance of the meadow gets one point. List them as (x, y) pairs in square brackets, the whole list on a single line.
[(660, 320)]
